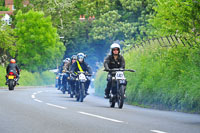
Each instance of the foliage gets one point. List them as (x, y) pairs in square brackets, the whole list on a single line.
[(162, 75), (3, 8), (7, 40), (100, 82), (177, 17), (38, 49)]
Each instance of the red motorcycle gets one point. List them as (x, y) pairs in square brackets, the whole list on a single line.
[(12, 80)]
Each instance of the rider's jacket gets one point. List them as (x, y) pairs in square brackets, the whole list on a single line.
[(110, 62), (84, 66), (14, 67)]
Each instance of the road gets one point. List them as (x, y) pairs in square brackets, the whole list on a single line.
[(47, 110)]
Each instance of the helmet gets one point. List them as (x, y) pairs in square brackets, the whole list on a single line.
[(80, 56), (66, 60), (115, 45), (12, 61), (74, 57)]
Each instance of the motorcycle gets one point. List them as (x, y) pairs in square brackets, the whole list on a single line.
[(72, 85), (63, 82), (118, 88), (80, 82), (12, 80)]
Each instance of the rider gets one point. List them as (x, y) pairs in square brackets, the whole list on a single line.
[(65, 67), (115, 60), (81, 65), (72, 81), (12, 66)]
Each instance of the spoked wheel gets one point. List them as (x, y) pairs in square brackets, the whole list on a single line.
[(82, 92), (10, 85), (121, 96)]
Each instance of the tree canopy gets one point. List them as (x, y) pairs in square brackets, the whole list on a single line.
[(38, 43)]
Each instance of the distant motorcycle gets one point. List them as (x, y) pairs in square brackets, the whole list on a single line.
[(80, 82), (117, 90), (12, 80), (63, 82), (72, 85)]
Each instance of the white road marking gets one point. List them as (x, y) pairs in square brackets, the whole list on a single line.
[(56, 106), (101, 117), (38, 100), (33, 96), (157, 131), (39, 91), (34, 93)]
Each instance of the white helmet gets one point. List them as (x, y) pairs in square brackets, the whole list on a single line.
[(114, 45), (66, 60)]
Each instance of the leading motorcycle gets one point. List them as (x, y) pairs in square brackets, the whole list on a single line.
[(118, 87)]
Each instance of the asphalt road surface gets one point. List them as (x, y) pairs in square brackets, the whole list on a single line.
[(47, 110)]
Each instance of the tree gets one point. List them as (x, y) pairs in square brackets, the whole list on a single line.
[(177, 17), (7, 40), (38, 43)]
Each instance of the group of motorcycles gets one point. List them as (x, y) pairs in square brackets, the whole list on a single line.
[(75, 85)]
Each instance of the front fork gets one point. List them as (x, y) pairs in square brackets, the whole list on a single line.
[(115, 90)]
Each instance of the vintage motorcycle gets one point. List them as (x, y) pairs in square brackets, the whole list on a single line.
[(80, 82), (119, 83)]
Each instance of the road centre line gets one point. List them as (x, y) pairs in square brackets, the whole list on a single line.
[(38, 100), (57, 106), (33, 96), (101, 117), (157, 131)]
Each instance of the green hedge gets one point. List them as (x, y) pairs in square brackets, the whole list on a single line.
[(30, 79), (166, 78)]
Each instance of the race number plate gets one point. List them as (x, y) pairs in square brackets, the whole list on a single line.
[(10, 77)]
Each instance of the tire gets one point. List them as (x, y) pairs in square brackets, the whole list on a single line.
[(62, 89), (112, 102), (10, 85), (71, 95), (121, 96), (82, 90)]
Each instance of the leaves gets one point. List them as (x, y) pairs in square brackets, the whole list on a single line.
[(37, 49)]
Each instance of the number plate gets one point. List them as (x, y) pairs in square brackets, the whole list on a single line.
[(10, 77), (119, 75)]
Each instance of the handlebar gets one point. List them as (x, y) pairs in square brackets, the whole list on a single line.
[(86, 73), (119, 69)]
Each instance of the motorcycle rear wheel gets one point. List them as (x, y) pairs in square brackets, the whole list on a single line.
[(10, 85)]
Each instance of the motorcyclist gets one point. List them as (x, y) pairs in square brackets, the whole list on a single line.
[(115, 60), (65, 67), (72, 78), (13, 66), (81, 65)]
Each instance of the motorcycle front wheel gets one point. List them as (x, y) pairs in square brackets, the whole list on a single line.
[(82, 90), (121, 96)]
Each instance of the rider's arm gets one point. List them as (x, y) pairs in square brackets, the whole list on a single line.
[(122, 62), (106, 61), (17, 68), (7, 69), (89, 69)]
